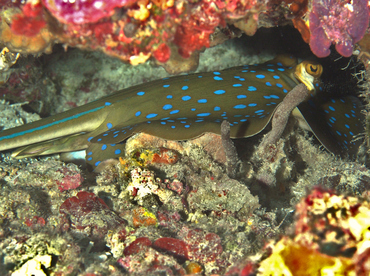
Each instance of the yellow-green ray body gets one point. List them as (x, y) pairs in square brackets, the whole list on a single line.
[(175, 108)]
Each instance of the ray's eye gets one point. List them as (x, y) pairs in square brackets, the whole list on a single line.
[(314, 70)]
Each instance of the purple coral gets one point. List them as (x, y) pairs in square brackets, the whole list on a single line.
[(82, 12), (336, 21)]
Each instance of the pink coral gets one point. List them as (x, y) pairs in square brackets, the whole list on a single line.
[(338, 22), (82, 12)]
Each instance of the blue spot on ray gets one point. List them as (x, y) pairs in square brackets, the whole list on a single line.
[(167, 107), (240, 106), (151, 115), (219, 92)]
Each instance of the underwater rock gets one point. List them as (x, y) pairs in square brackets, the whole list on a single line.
[(87, 213)]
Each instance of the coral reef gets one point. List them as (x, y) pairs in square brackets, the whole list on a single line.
[(169, 207), (174, 32), (130, 30)]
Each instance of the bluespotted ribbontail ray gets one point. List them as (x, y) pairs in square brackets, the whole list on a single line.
[(186, 106)]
